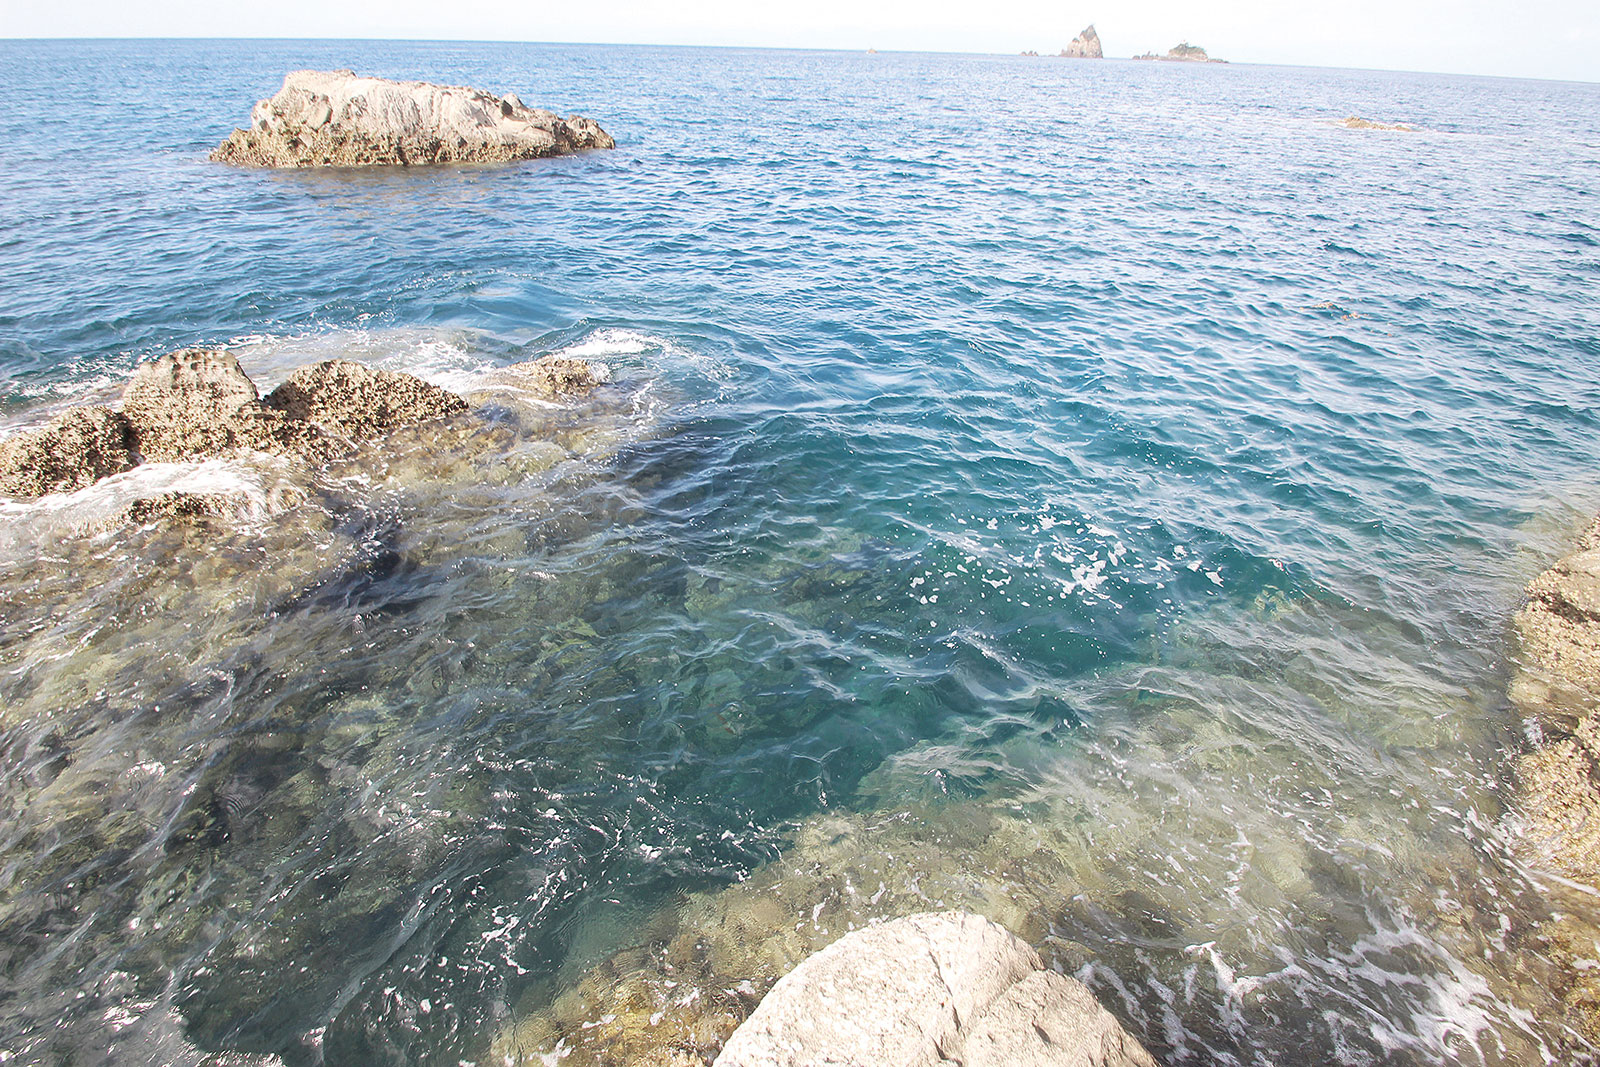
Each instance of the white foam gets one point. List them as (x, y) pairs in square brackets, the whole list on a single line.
[(612, 342), (250, 480)]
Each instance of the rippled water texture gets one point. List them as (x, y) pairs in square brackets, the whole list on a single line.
[(1098, 488)]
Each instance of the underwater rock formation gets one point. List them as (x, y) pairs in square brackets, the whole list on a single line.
[(555, 375), (1556, 687), (927, 989), (1084, 46), (334, 118)]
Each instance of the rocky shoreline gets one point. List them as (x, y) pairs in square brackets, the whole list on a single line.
[(1555, 687), (335, 118)]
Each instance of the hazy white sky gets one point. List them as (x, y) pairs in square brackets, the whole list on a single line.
[(1534, 38)]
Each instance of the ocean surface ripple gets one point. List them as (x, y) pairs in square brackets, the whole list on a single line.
[(1125, 449)]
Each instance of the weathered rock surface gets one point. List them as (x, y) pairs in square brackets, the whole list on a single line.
[(75, 449), (355, 401), (334, 118), (197, 403), (1084, 46), (1556, 687), (929, 989)]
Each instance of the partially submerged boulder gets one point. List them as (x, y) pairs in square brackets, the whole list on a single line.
[(73, 450), (355, 401), (556, 375), (926, 990), (334, 118)]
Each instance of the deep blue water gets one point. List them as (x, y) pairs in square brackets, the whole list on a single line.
[(1125, 444)]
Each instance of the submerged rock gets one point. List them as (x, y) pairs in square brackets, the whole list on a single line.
[(356, 401), (930, 989), (334, 118), (73, 450), (1084, 46), (556, 375)]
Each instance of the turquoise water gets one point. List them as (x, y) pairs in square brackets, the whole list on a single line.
[(1126, 448)]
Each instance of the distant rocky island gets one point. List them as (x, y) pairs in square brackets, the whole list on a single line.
[(1084, 46), (1183, 52), (334, 118)]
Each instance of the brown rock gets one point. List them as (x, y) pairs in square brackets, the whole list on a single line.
[(356, 401), (197, 403), (75, 449), (557, 376)]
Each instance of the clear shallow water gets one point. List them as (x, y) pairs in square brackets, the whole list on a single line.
[(1121, 450)]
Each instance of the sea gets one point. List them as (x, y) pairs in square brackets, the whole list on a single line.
[(1098, 490)]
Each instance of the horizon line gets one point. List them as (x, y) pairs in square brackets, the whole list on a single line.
[(869, 49)]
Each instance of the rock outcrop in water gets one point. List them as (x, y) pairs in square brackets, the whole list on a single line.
[(1557, 688), (1084, 46), (1355, 122), (355, 401), (198, 404), (929, 989), (334, 118), (1183, 52)]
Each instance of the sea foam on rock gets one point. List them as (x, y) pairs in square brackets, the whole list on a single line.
[(928, 989), (334, 118)]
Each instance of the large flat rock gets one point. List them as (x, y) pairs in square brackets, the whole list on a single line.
[(335, 118), (926, 990)]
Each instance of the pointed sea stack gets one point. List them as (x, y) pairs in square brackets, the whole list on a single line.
[(323, 118), (1084, 46)]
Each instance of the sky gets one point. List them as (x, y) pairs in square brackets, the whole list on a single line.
[(1534, 38)]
